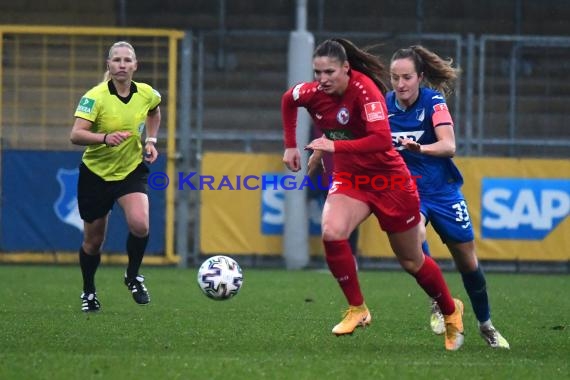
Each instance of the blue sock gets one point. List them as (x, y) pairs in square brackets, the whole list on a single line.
[(425, 248), (476, 288)]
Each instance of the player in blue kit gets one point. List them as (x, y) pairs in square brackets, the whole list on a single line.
[(422, 131)]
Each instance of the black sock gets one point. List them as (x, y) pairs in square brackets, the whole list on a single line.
[(135, 250), (476, 288), (88, 264)]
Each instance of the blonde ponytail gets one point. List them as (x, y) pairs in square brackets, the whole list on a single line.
[(106, 76)]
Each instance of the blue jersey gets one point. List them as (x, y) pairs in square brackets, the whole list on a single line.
[(434, 175)]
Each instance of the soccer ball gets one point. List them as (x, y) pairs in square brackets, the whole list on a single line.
[(220, 277)]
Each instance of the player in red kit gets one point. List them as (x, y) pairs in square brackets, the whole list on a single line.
[(346, 103)]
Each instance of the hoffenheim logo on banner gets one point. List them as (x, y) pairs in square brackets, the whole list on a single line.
[(65, 206), (523, 208)]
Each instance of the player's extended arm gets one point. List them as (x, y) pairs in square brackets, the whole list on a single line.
[(376, 142), (443, 147)]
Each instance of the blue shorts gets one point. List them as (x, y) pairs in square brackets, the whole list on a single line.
[(448, 215)]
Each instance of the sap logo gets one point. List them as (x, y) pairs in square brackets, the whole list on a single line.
[(273, 210), (525, 209), (412, 135)]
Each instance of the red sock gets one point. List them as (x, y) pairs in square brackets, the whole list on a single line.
[(342, 266), (430, 278)]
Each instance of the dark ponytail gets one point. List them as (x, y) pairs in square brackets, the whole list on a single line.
[(345, 51)]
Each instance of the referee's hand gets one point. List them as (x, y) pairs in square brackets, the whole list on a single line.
[(116, 138), (150, 152)]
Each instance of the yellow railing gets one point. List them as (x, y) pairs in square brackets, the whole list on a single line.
[(44, 70)]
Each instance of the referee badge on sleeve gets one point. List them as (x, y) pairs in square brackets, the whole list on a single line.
[(85, 105)]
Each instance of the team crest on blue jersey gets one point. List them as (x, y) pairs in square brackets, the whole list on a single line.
[(65, 207), (343, 116), (420, 114)]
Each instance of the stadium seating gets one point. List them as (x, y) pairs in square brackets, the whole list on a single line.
[(246, 74)]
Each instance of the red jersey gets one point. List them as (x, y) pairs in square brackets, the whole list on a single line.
[(357, 121)]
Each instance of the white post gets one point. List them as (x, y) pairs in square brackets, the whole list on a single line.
[(296, 225)]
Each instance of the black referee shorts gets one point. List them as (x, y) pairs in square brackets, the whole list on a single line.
[(96, 197)]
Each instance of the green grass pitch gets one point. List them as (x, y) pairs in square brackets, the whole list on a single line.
[(277, 327)]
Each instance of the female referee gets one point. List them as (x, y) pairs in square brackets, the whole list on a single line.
[(109, 120)]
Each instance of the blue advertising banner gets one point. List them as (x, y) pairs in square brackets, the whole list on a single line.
[(39, 205)]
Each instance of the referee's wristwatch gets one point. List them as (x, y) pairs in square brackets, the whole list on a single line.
[(150, 140)]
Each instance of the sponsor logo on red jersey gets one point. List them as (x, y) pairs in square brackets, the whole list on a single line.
[(440, 107), (374, 111)]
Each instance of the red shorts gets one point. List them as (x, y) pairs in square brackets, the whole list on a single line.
[(397, 209)]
